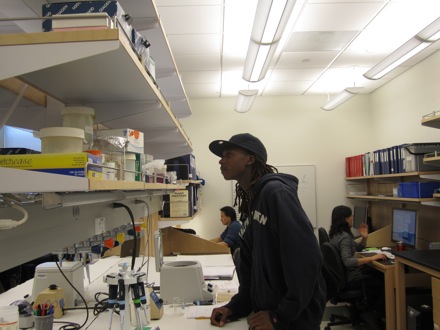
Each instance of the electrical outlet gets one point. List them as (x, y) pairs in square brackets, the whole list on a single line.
[(99, 225)]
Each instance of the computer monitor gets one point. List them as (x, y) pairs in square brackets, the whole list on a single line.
[(404, 226), (360, 215)]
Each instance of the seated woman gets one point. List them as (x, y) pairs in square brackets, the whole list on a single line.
[(230, 236), (342, 238)]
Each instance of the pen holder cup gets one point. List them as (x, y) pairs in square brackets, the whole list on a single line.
[(44, 322)]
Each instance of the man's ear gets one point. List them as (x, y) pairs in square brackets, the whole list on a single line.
[(251, 160)]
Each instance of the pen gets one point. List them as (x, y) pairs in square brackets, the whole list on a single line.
[(202, 317)]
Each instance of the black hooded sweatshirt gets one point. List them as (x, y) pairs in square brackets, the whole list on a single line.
[(280, 258)]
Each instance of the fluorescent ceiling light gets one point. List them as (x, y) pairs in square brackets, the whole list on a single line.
[(410, 48), (245, 99), (430, 33), (271, 18), (340, 98)]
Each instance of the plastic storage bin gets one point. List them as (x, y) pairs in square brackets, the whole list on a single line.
[(61, 140), (418, 189), (80, 117)]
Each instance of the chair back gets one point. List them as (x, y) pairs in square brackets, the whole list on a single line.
[(322, 236), (333, 270)]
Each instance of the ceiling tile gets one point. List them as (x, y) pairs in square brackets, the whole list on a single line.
[(195, 44), (306, 60), (286, 88), (202, 90), (194, 77), (198, 62), (183, 20), (311, 41), (295, 74), (336, 16)]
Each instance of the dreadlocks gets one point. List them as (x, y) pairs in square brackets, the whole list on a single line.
[(243, 197)]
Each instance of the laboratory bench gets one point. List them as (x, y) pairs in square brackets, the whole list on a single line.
[(169, 320)]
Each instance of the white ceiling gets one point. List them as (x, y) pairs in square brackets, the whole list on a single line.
[(327, 48)]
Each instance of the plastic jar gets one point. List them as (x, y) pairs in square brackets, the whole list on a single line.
[(61, 140), (80, 117), (9, 317)]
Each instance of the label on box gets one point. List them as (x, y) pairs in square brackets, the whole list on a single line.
[(57, 163), (179, 196), (179, 209)]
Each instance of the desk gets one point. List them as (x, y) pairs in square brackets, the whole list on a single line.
[(108, 265), (389, 285), (427, 262)]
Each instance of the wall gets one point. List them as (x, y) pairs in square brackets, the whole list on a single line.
[(296, 131)]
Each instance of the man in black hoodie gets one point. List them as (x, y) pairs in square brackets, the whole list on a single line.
[(281, 286)]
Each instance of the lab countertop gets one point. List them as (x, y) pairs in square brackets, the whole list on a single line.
[(109, 265)]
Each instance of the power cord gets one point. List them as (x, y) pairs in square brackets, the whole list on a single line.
[(133, 257), (71, 325), (147, 240), (9, 223)]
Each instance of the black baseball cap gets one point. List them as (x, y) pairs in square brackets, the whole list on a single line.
[(245, 141)]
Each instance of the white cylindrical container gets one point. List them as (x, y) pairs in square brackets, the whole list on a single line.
[(130, 165), (9, 317), (61, 140), (80, 117), (108, 173)]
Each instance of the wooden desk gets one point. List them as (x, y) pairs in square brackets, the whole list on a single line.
[(427, 262), (379, 238), (389, 285)]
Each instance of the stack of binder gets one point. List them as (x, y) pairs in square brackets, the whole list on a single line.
[(404, 158)]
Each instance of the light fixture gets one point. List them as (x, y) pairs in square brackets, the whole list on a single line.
[(410, 48), (245, 99), (340, 98), (270, 21)]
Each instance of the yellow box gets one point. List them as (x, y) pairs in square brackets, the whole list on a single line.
[(57, 163)]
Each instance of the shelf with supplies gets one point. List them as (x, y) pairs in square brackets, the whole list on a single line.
[(379, 188), (23, 181), (103, 72), (47, 71)]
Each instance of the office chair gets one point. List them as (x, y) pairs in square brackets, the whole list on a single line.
[(339, 290), (322, 236)]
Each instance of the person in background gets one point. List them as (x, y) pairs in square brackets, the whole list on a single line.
[(281, 285), (342, 238), (229, 237)]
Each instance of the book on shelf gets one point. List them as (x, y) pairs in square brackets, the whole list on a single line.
[(391, 160)]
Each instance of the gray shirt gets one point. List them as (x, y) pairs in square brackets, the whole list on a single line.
[(347, 247)]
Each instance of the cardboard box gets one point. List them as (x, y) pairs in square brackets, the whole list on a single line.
[(68, 22), (135, 139), (66, 164), (133, 162), (179, 209), (111, 8), (179, 196)]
